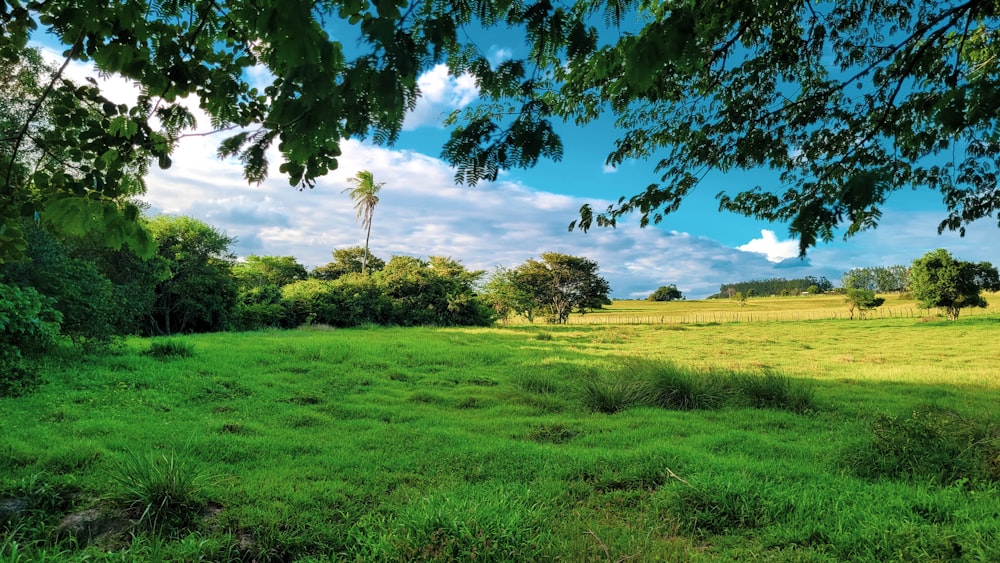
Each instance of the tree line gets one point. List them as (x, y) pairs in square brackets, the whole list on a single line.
[(774, 287), (77, 288)]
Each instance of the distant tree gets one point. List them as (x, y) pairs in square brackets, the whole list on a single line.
[(364, 192), (507, 297), (666, 293), (813, 290), (561, 283), (740, 298), (258, 271), (348, 261), (939, 280), (880, 279), (862, 300), (198, 294)]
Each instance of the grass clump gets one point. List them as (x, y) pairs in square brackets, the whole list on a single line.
[(677, 388), (483, 525), (614, 391), (163, 349), (771, 390), (929, 443), (534, 382), (160, 491)]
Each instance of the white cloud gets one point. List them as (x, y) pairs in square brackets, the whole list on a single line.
[(609, 169), (769, 245), (440, 93), (499, 54)]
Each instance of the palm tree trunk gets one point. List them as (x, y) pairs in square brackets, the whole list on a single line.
[(364, 259)]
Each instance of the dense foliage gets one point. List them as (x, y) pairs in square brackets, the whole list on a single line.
[(862, 300), (939, 280), (28, 325), (881, 279), (846, 101), (666, 293), (774, 287), (348, 261)]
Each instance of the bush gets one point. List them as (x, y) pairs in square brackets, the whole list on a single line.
[(260, 307), (932, 443), (29, 325)]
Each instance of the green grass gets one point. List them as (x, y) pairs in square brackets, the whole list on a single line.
[(822, 440)]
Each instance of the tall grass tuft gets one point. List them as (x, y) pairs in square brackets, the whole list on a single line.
[(541, 383), (771, 390), (494, 525), (930, 443), (160, 491), (170, 348), (615, 391), (677, 388)]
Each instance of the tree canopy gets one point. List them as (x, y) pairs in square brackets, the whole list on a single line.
[(939, 280), (846, 101)]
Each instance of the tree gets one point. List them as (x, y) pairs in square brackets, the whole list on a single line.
[(666, 293), (258, 271), (348, 261), (561, 283), (939, 280), (863, 300), (365, 196), (506, 296), (198, 292), (847, 101)]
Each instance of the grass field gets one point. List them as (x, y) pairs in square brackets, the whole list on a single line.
[(822, 440)]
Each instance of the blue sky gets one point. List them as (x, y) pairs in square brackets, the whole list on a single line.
[(525, 212)]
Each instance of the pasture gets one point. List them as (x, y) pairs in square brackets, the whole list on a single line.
[(794, 440)]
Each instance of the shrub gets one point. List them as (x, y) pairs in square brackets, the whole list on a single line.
[(169, 348), (160, 490), (771, 390), (28, 326), (930, 442)]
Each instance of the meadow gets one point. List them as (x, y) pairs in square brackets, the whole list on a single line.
[(788, 440)]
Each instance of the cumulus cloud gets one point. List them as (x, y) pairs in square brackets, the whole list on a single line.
[(769, 245), (440, 93)]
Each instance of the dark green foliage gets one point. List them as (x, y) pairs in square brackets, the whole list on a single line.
[(198, 292), (882, 279), (771, 390), (930, 443), (349, 301), (939, 280), (436, 292), (169, 348), (260, 307), (558, 284), (261, 271), (29, 325), (348, 261), (82, 294), (162, 492), (774, 287), (666, 293)]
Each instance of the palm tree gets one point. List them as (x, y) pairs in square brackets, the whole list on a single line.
[(364, 191)]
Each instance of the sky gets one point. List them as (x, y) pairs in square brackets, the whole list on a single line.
[(524, 213)]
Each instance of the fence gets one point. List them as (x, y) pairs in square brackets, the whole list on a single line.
[(720, 317)]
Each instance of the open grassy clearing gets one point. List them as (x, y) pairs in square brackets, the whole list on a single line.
[(759, 309), (823, 440)]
